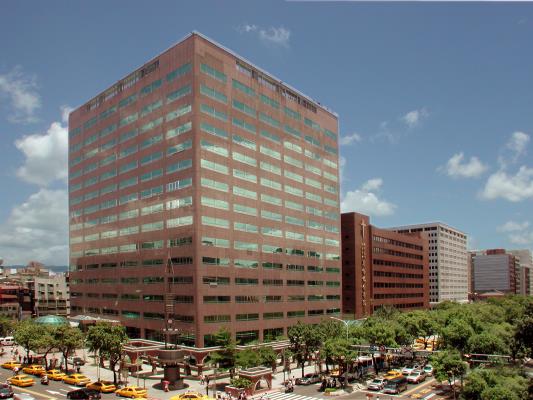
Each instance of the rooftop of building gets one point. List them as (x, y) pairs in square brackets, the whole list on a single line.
[(227, 50), (427, 225)]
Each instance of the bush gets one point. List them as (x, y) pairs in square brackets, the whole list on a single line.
[(241, 383), (329, 390)]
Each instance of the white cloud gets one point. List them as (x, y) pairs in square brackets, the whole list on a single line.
[(521, 238), (364, 200), (518, 144), (20, 91), (456, 168), (278, 36), (350, 139), (342, 165), (513, 226), (37, 230), (510, 187), (46, 154), (413, 118)]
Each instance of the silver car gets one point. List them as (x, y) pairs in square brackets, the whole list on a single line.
[(376, 384), (416, 377)]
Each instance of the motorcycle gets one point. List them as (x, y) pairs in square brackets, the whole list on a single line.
[(289, 389), (45, 380)]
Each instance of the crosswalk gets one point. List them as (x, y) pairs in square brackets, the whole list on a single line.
[(285, 396)]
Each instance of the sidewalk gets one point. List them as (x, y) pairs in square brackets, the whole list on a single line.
[(92, 372)]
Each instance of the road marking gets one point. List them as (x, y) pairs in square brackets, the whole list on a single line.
[(36, 393), (288, 396), (418, 387), (52, 392)]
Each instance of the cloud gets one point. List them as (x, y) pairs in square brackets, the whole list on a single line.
[(510, 187), (20, 91), (342, 165), (366, 201), (46, 154), (518, 144), (513, 226), (521, 238), (277, 36), (37, 230), (415, 117), (350, 139), (456, 168)]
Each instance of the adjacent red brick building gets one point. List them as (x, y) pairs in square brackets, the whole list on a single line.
[(382, 267), (204, 193)]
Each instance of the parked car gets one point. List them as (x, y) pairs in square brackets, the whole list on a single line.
[(84, 394), (428, 369), (376, 384), (6, 391), (416, 377), (102, 386), (395, 386), (76, 361), (308, 379)]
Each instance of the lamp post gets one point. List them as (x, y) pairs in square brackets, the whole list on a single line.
[(346, 324)]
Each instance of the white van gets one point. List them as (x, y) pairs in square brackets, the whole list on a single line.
[(8, 341)]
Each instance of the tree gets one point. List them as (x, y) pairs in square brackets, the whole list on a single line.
[(67, 339), (486, 343), (457, 334), (226, 356), (449, 365), (418, 324), (247, 359), (27, 334), (268, 357), (305, 340), (6, 325), (339, 351), (47, 342), (108, 341), (473, 386)]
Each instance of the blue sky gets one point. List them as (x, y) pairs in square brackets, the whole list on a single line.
[(434, 99)]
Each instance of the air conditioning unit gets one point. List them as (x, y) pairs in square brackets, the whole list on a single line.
[(213, 284)]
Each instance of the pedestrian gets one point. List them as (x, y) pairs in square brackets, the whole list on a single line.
[(78, 369), (202, 379)]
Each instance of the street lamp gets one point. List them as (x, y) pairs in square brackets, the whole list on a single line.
[(346, 324)]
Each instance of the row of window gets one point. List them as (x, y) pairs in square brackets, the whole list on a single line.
[(218, 318), (131, 99)]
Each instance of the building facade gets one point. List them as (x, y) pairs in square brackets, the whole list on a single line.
[(448, 261), (526, 270), (51, 294), (381, 267), (495, 270), (204, 194)]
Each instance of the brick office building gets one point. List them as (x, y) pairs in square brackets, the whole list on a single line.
[(381, 267), (204, 194)]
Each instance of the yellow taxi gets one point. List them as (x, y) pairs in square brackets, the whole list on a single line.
[(11, 364), (21, 380), (191, 395), (102, 386), (392, 374), (34, 370), (76, 379), (131, 391), (56, 375)]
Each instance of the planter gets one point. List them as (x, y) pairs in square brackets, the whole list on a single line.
[(235, 392)]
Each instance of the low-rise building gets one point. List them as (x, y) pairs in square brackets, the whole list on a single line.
[(382, 267)]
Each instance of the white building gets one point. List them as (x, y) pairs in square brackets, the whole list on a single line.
[(52, 295), (448, 261)]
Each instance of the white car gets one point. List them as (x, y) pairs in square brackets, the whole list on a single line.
[(376, 384), (428, 369), (416, 377), (407, 370)]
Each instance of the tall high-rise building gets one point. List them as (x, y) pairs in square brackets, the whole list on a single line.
[(204, 194), (495, 270), (381, 267), (525, 273), (448, 261)]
